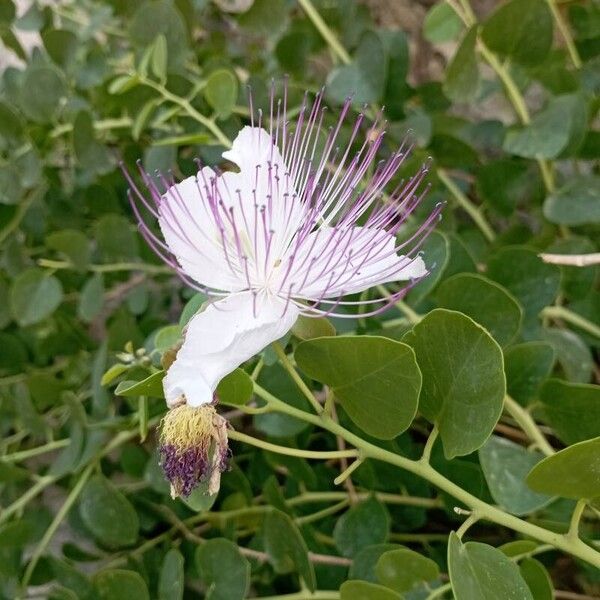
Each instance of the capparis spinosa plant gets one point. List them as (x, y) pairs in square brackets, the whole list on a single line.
[(299, 300)]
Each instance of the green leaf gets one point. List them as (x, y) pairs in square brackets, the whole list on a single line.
[(193, 305), (376, 379), (306, 328), (364, 78), (527, 366), (436, 254), (221, 92), (115, 238), (275, 424), (107, 514), (531, 281), (89, 152), (362, 525), (235, 389), (364, 562), (537, 579), (286, 548), (486, 302), (441, 24), (572, 353), (34, 296), (151, 386), (463, 379), (572, 410), (158, 60), (576, 282), (517, 547), (61, 45), (552, 131), (403, 569), (505, 466), (167, 337), (364, 590), (224, 571), (119, 584), (73, 244), (171, 582), (520, 30), (462, 73), (41, 92), (480, 571), (11, 189), (91, 299), (576, 203), (507, 183), (155, 17), (571, 473)]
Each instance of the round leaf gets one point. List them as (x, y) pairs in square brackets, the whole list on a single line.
[(576, 203), (221, 91), (364, 590), (118, 584), (480, 571), (571, 473), (505, 466), (224, 571), (108, 514), (463, 379), (376, 379), (486, 302), (362, 525), (235, 389), (34, 296), (403, 569), (171, 583)]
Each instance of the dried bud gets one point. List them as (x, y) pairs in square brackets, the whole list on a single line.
[(193, 448)]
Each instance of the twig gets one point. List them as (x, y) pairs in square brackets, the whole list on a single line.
[(571, 260)]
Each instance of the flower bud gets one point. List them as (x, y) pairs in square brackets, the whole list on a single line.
[(193, 448)]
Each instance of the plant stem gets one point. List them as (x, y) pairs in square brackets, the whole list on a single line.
[(326, 512), (317, 595), (413, 316), (31, 493), (308, 497), (347, 472), (287, 365), (572, 260), (440, 592), (467, 205), (528, 425), (483, 509), (60, 515), (325, 31), (21, 210), (469, 521), (429, 445), (109, 268), (573, 532), (190, 110), (560, 312), (24, 454), (566, 34), (325, 455)]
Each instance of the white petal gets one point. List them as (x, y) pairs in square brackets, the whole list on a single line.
[(190, 231), (334, 262), (221, 338)]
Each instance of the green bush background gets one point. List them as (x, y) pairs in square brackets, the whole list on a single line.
[(504, 101)]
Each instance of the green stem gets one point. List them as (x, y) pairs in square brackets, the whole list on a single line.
[(24, 454), (321, 514), (31, 493), (429, 445), (413, 316), (308, 497), (528, 425), (58, 519), (109, 268), (325, 31), (469, 521), (467, 205), (315, 454), (440, 592), (21, 211), (287, 365), (347, 472), (483, 509), (573, 532), (566, 34), (190, 110), (560, 312)]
